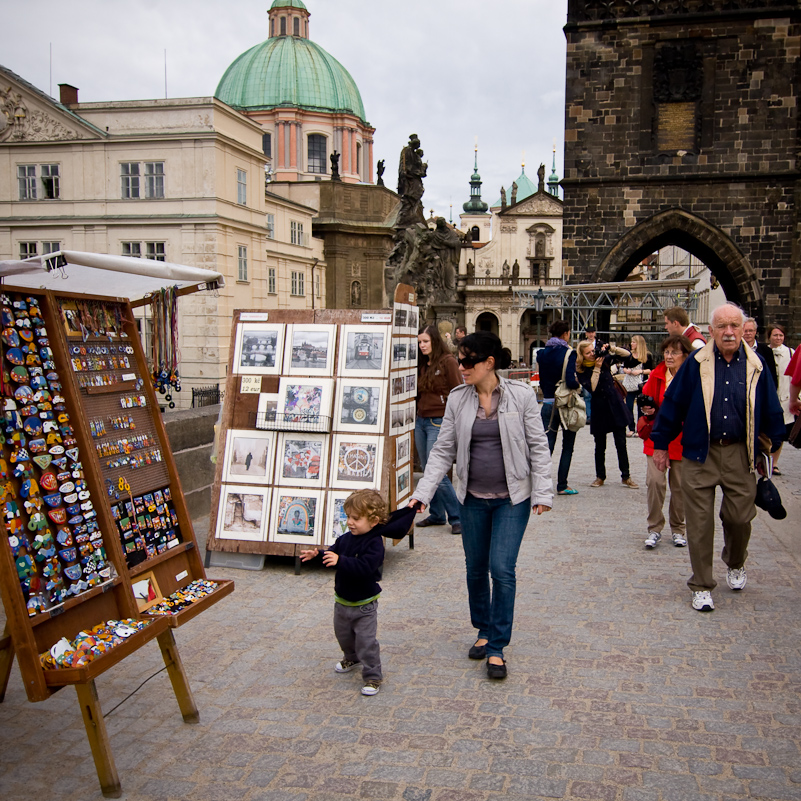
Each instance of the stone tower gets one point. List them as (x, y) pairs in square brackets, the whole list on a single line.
[(682, 128)]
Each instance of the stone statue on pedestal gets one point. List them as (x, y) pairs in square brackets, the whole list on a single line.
[(380, 171), (334, 158)]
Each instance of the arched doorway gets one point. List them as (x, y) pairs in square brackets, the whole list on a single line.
[(487, 321)]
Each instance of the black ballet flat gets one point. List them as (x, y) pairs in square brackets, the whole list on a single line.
[(477, 652), (496, 671)]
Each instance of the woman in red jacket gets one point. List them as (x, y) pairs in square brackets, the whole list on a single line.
[(674, 351)]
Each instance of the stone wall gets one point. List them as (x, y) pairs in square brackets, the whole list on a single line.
[(682, 128)]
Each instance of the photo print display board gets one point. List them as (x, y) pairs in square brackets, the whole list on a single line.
[(364, 351), (302, 460), (309, 350), (361, 405), (249, 457), (244, 511), (296, 516), (259, 348)]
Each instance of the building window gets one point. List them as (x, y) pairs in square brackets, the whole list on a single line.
[(242, 263), (130, 179), (133, 249), (154, 179), (155, 251), (297, 283), (475, 234), (317, 284), (267, 145), (241, 187), (271, 280), (296, 233), (272, 27), (359, 159), (50, 247), (27, 249), (271, 226), (50, 182), (26, 175), (283, 26), (296, 26), (317, 153)]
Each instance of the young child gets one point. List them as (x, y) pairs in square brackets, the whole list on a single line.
[(357, 557)]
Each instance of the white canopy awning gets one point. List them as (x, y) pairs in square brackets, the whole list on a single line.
[(102, 274)]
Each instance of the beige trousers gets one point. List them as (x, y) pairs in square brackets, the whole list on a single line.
[(656, 485), (725, 467)]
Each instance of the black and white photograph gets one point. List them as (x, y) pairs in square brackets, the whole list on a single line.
[(363, 350), (411, 411), (401, 321), (309, 350), (296, 516), (411, 384), (397, 418), (356, 461), (259, 348), (403, 482), (361, 405), (245, 511), (398, 387), (403, 449), (268, 410), (400, 351), (249, 457)]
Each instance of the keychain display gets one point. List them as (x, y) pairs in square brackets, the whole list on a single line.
[(183, 598), (165, 354), (47, 508), (90, 644)]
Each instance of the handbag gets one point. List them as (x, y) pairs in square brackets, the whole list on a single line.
[(631, 382), (569, 402), (795, 435)]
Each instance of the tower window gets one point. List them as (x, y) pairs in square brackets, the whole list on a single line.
[(317, 153), (267, 145), (283, 26), (296, 26), (475, 234)]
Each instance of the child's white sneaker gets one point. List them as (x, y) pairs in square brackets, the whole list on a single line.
[(345, 666), (371, 687)]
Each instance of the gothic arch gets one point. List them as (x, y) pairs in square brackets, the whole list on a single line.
[(695, 235)]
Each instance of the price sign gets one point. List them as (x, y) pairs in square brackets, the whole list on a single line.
[(250, 383)]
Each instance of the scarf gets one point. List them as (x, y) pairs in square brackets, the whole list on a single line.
[(556, 342)]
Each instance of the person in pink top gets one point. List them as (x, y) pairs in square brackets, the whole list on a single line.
[(674, 351), (794, 371)]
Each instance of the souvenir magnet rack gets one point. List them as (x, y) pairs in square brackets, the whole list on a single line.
[(63, 568), (258, 374)]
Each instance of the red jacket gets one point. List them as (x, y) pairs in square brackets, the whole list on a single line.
[(655, 386), (694, 335)]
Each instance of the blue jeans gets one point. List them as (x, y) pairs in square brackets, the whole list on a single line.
[(492, 531), (426, 431), (568, 441)]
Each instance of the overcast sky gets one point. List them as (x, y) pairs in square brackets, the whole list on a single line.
[(449, 70)]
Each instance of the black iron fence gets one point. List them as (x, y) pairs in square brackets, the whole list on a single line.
[(206, 396)]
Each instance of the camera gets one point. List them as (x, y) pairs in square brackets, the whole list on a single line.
[(646, 400), (599, 347)]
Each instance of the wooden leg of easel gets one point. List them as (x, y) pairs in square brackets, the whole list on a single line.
[(180, 685), (6, 661), (98, 740)]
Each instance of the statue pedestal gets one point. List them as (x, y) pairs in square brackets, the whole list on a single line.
[(452, 313)]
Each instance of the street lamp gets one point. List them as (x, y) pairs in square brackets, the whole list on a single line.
[(539, 305)]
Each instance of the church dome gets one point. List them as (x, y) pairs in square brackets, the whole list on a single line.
[(289, 71)]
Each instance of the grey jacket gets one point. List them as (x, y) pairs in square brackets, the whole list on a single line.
[(526, 457)]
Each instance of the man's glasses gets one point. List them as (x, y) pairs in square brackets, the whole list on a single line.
[(469, 362)]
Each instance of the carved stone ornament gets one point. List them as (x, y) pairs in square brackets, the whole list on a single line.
[(535, 205), (18, 124), (508, 227)]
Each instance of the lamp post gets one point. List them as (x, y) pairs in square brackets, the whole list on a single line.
[(539, 306)]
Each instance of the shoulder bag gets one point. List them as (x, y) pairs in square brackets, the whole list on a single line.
[(569, 402)]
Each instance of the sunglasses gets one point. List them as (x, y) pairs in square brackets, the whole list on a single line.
[(470, 361)]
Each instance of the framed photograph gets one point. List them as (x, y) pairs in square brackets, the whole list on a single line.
[(397, 384), (309, 349), (361, 405), (268, 411), (259, 348), (414, 321), (397, 418), (411, 384), (296, 516), (302, 460), (335, 517), (400, 322), (249, 457), (410, 413), (243, 513), (146, 591), (403, 449), (364, 350), (305, 404), (400, 353), (403, 482), (411, 353), (356, 462)]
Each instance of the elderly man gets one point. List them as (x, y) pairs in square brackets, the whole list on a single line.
[(677, 323), (724, 398), (762, 348)]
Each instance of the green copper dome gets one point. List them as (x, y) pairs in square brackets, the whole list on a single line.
[(290, 71), (288, 4)]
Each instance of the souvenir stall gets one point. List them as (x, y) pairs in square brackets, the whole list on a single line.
[(97, 552), (317, 404)]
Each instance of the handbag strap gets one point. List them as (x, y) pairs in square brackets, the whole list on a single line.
[(564, 363)]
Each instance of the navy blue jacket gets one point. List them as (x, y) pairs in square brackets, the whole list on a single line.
[(549, 361), (688, 402)]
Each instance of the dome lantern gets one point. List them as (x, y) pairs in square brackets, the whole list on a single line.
[(289, 18)]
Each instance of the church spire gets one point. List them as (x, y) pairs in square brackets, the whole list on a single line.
[(553, 179), (475, 205)]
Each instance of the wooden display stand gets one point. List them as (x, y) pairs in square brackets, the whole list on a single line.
[(241, 410), (93, 388)]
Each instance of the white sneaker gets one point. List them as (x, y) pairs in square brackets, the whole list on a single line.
[(702, 601), (653, 539), (736, 578), (371, 687), (678, 540), (345, 667)]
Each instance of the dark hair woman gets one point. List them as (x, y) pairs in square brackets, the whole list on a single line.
[(493, 429), (437, 374), (675, 349)]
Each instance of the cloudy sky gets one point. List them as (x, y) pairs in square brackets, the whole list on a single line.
[(449, 70)]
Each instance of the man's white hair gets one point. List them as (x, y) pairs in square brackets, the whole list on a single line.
[(725, 307)]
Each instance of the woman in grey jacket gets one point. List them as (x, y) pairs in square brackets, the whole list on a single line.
[(493, 429)]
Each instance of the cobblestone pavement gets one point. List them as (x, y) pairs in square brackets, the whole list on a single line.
[(617, 688)]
